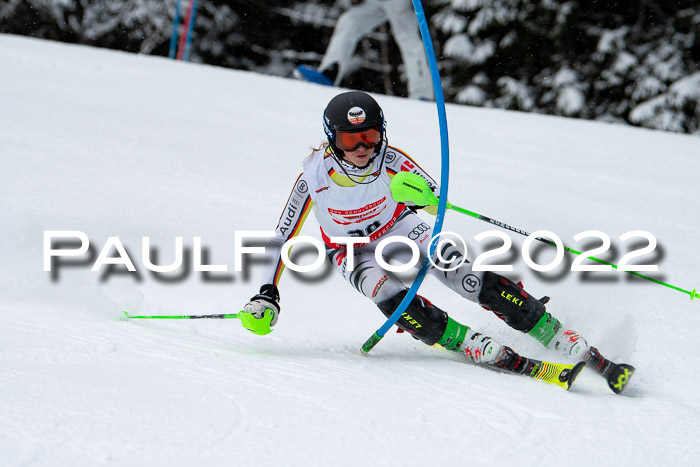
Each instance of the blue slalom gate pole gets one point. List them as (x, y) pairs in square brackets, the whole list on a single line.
[(173, 36), (189, 32), (444, 178)]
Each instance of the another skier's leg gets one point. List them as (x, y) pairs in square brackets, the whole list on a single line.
[(405, 30), (352, 25)]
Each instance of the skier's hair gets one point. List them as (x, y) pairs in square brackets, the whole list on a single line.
[(323, 145)]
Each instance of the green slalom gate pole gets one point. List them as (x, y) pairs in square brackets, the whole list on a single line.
[(256, 326), (406, 186)]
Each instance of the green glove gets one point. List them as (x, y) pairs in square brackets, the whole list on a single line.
[(412, 189), (255, 325)]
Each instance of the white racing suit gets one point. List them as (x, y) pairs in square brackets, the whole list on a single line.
[(374, 282), (351, 202), (364, 210)]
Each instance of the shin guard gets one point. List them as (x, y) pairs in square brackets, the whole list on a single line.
[(510, 302), (422, 319)]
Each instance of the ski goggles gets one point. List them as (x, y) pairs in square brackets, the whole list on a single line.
[(347, 141)]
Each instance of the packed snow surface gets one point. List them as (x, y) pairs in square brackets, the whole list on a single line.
[(118, 145)]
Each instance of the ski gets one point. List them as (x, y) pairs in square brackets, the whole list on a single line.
[(556, 373), (618, 376), (312, 75), (560, 374)]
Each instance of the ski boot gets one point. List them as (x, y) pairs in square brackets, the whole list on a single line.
[(571, 344), (550, 332), (481, 349)]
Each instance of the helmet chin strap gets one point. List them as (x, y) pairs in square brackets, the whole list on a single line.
[(381, 150), (369, 161)]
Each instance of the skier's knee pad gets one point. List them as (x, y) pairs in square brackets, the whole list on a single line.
[(422, 319), (510, 302)]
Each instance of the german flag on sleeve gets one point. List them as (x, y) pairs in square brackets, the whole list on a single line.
[(293, 232)]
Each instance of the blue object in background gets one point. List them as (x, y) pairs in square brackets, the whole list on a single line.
[(173, 36), (312, 75)]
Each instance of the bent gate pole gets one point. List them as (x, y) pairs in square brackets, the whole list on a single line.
[(444, 178)]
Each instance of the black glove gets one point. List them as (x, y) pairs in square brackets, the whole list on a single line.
[(414, 208)]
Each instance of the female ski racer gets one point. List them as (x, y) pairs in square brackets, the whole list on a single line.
[(346, 183)]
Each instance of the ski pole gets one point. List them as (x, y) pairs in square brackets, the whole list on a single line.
[(222, 316), (256, 326), (406, 186)]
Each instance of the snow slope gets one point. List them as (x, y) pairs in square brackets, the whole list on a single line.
[(113, 144)]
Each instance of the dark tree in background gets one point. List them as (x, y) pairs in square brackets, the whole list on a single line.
[(634, 62), (134, 26)]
